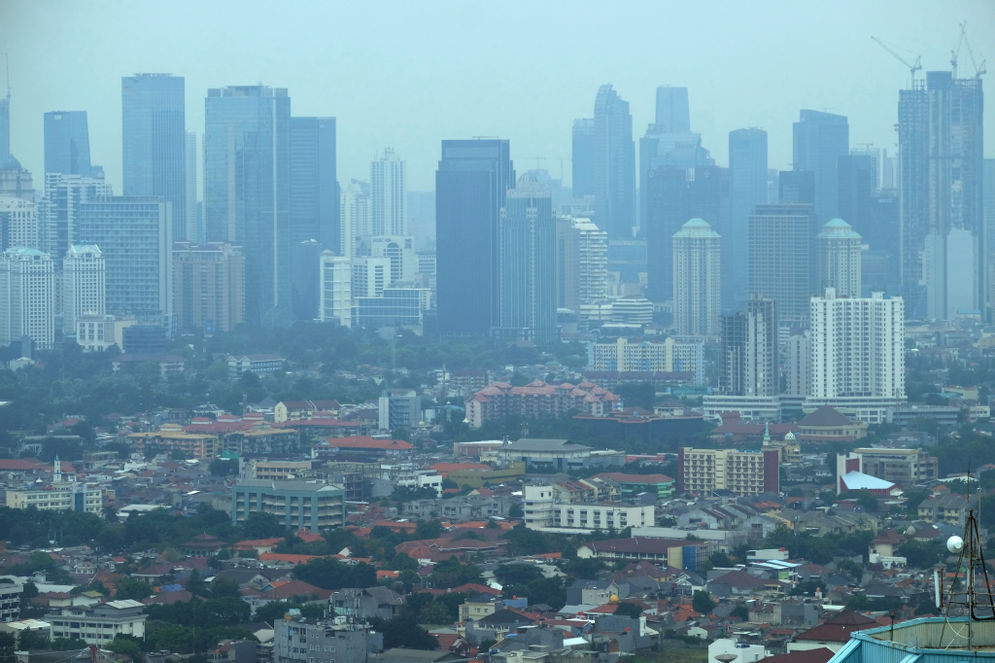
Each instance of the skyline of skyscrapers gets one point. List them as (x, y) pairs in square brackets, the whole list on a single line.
[(270, 186)]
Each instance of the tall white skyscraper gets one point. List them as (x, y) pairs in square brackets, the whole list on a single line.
[(697, 299), (336, 289), (839, 259), (84, 289), (388, 193), (858, 353), (27, 297)]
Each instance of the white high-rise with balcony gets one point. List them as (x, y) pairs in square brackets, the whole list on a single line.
[(697, 296), (27, 297), (336, 289), (84, 289), (857, 350), (387, 195)]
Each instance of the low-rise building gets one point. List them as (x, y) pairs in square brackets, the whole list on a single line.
[(544, 513), (678, 553), (296, 640), (100, 623), (171, 438), (741, 472), (537, 399), (296, 504)]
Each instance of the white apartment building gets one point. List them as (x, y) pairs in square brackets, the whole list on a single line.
[(544, 513), (84, 289), (101, 623), (27, 297), (335, 296), (697, 295), (387, 195), (857, 355), (839, 259)]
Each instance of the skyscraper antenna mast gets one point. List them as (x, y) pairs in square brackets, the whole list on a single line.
[(6, 64)]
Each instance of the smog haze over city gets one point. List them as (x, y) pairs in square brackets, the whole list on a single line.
[(409, 74)]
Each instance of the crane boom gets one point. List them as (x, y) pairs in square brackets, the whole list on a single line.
[(913, 67)]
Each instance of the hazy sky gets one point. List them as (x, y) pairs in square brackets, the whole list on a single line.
[(408, 73)]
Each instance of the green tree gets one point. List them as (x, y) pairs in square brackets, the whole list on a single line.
[(702, 602), (122, 644), (628, 609), (404, 632)]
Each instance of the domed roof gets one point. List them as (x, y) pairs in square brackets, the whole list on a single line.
[(789, 437), (696, 228), (838, 229)]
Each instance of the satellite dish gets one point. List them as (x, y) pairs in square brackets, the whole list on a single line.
[(955, 544)]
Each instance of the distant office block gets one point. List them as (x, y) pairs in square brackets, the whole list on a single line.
[(526, 267), (153, 142), (134, 236), (747, 189), (247, 187), (67, 144), (315, 210), (780, 259), (820, 139), (614, 165), (669, 142), (471, 186)]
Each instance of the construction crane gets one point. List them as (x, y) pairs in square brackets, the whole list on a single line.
[(913, 67), (979, 69)]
